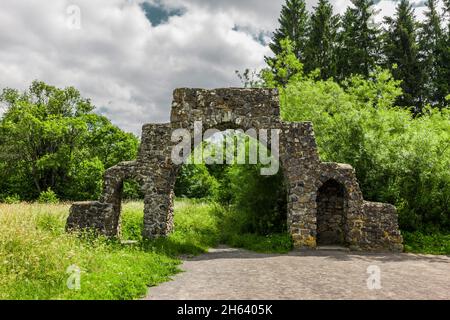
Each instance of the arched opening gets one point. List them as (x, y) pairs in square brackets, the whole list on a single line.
[(120, 187), (255, 203), (331, 214)]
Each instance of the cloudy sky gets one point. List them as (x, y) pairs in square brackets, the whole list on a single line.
[(129, 55)]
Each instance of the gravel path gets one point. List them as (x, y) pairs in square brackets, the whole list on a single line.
[(226, 273)]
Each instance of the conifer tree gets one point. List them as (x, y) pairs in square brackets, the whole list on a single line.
[(402, 55), (430, 51), (442, 82), (320, 50), (359, 43), (293, 25)]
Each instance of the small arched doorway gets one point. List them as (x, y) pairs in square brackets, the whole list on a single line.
[(331, 214)]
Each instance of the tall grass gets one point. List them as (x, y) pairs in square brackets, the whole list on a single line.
[(36, 252)]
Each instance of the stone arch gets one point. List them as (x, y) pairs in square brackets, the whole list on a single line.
[(345, 176), (223, 126), (368, 225), (104, 215)]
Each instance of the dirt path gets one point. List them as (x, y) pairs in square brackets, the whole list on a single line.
[(226, 273)]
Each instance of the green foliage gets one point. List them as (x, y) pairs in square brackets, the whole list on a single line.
[(320, 51), (86, 179), (51, 138), (273, 243), (13, 199), (294, 26), (258, 203), (48, 196), (283, 67), (36, 252), (339, 47), (435, 243), (132, 222), (195, 181), (398, 159), (430, 35), (358, 41), (132, 190), (402, 51)]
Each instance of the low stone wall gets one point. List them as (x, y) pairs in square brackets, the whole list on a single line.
[(380, 229), (93, 216)]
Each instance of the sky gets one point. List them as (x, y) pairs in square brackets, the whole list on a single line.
[(128, 56)]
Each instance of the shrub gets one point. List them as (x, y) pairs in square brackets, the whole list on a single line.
[(195, 181), (418, 242), (48, 197), (132, 190), (258, 203), (12, 199)]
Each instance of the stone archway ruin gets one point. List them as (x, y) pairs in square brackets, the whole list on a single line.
[(368, 225)]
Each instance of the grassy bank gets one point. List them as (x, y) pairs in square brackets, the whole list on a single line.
[(35, 252)]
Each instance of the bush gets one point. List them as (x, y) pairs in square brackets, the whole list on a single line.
[(195, 181), (48, 197), (132, 190), (258, 203), (13, 199), (418, 242), (86, 180)]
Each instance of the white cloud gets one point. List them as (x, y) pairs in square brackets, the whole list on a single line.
[(124, 64)]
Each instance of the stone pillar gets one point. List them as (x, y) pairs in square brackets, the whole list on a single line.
[(157, 176), (299, 158)]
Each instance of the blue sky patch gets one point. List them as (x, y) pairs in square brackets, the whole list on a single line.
[(158, 14)]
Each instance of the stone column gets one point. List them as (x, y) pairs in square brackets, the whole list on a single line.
[(157, 176), (299, 158)]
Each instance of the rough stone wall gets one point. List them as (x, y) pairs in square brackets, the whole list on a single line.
[(363, 225), (380, 227), (157, 176), (300, 160), (92, 215)]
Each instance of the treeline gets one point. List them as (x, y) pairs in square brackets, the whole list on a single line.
[(53, 145), (339, 46)]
